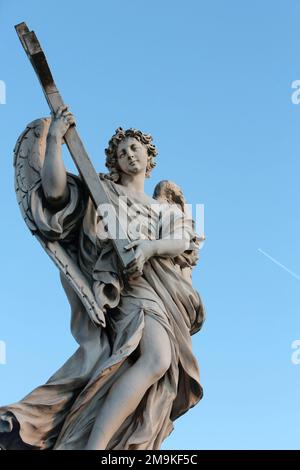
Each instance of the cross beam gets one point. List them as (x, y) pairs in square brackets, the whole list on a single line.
[(81, 159)]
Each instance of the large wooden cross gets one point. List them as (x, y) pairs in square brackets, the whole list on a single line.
[(81, 159)]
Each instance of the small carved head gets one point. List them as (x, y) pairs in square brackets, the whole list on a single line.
[(113, 159)]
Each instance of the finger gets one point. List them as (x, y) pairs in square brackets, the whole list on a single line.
[(133, 270), (136, 274), (66, 113), (130, 265), (67, 120), (60, 110), (135, 261), (68, 116), (131, 245), (70, 120)]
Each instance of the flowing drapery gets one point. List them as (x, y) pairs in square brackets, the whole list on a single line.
[(60, 414)]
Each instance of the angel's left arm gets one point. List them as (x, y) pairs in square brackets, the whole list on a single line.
[(146, 249)]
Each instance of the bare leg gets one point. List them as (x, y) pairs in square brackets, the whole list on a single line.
[(127, 392)]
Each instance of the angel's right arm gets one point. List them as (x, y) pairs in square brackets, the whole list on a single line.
[(53, 173)]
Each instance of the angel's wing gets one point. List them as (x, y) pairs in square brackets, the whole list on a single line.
[(29, 154), (170, 192)]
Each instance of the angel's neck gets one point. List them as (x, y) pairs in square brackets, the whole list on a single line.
[(134, 182)]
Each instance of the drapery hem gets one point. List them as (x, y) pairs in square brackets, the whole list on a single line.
[(19, 440)]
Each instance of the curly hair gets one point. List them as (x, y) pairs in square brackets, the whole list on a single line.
[(111, 151)]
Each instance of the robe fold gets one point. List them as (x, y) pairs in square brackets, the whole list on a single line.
[(60, 414)]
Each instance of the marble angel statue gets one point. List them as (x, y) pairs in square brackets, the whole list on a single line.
[(134, 371)]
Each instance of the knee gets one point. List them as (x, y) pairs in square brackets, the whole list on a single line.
[(155, 365)]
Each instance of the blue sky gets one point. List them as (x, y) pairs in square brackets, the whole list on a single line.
[(211, 81)]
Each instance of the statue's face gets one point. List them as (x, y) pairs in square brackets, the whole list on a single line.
[(132, 156)]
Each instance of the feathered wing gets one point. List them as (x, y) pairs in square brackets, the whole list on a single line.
[(168, 192), (29, 154)]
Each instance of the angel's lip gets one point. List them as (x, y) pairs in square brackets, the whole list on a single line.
[(132, 163)]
